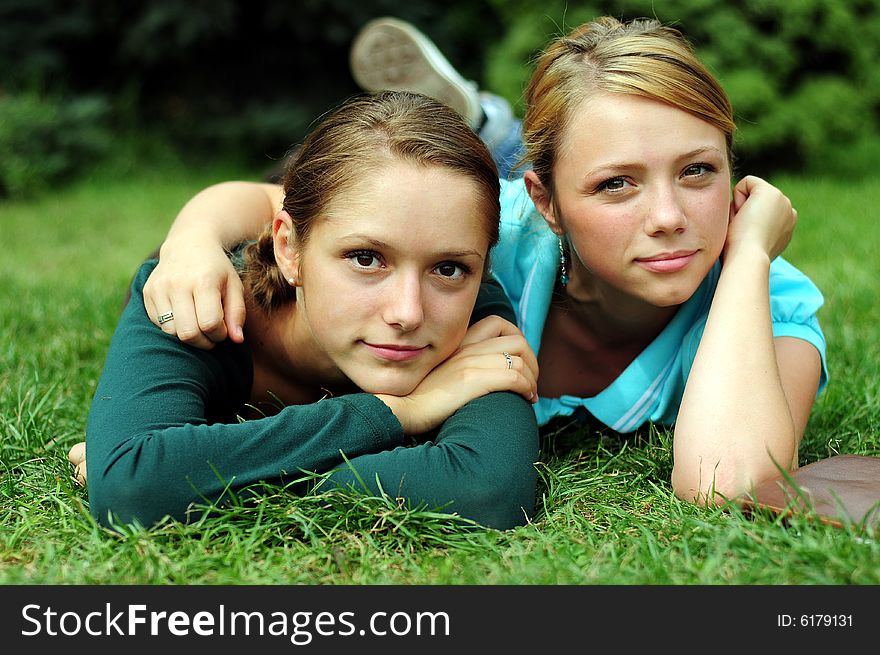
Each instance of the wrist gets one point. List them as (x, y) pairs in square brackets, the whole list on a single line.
[(397, 405), (746, 255), (185, 239)]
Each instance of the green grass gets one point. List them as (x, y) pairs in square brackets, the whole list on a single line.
[(606, 514)]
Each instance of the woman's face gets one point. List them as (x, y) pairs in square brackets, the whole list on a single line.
[(389, 277), (643, 191)]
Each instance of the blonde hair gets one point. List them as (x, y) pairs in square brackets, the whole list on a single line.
[(364, 135), (641, 57)]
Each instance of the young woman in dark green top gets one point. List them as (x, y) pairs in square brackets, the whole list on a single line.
[(374, 351)]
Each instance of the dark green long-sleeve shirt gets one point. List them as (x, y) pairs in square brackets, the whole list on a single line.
[(162, 433)]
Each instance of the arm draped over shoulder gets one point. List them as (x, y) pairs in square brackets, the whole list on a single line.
[(163, 434)]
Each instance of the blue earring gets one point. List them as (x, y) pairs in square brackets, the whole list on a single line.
[(563, 270)]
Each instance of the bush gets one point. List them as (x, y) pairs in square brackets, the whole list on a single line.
[(215, 76), (802, 75), (250, 76), (46, 139)]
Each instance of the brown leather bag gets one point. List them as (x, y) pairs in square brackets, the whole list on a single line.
[(841, 490)]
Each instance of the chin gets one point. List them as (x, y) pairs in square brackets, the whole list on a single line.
[(393, 385), (672, 300), (676, 294)]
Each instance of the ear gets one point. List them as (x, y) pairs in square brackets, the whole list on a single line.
[(286, 253), (543, 201)]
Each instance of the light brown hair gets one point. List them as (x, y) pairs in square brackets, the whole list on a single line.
[(366, 134), (641, 57)]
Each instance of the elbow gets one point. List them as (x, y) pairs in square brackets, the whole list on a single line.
[(506, 501), (117, 499), (703, 486), (134, 480), (724, 482), (112, 503), (708, 485), (725, 469)]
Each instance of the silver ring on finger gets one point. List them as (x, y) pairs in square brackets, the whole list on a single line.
[(509, 360), (164, 318)]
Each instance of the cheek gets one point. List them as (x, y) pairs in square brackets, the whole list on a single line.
[(331, 308), (599, 240), (447, 318), (715, 213), (449, 337)]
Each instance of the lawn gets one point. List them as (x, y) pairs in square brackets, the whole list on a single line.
[(606, 513)]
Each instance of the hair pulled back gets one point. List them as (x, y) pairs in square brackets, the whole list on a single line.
[(641, 57), (360, 138)]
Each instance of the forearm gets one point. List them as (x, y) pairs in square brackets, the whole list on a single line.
[(155, 441), (139, 472), (480, 465), (734, 425), (226, 213)]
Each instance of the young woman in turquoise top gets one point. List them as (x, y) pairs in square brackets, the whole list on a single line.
[(649, 285), (357, 361)]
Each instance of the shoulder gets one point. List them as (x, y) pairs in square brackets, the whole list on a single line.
[(524, 235), (142, 273), (794, 303), (492, 300), (137, 344), (517, 209), (793, 295)]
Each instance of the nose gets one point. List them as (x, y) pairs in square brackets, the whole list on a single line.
[(666, 214), (403, 306)]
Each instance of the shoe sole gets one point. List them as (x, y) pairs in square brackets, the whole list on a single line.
[(391, 54)]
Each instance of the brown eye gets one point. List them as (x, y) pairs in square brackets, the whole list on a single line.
[(364, 259), (450, 270)]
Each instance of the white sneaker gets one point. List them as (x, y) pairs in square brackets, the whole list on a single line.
[(498, 121), (391, 54)]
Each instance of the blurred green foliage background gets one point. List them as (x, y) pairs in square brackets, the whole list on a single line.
[(102, 81)]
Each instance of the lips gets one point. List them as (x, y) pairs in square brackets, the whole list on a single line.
[(667, 262), (394, 352)]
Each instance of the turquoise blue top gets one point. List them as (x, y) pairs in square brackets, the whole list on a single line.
[(526, 262)]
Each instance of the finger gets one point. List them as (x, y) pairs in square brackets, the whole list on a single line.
[(153, 311), (77, 453), (525, 355), (80, 474), (209, 313), (149, 301), (518, 379), (740, 195), (526, 373), (185, 324), (489, 327), (514, 344), (233, 301), (745, 188), (158, 306), (513, 374)]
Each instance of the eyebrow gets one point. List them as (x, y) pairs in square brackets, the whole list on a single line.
[(382, 245), (700, 151), (623, 165)]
